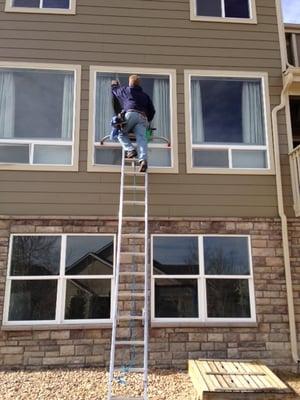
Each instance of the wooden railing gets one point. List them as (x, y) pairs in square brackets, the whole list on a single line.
[(295, 176)]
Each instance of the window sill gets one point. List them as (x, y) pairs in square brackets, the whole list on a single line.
[(228, 171), (117, 169), (37, 167), (55, 327), (33, 10), (223, 324), (224, 19)]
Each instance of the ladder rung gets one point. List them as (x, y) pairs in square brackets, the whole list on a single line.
[(130, 342), (127, 172), (133, 235), (134, 219), (131, 294), (130, 317), (130, 370), (132, 253), (132, 273), (134, 187), (134, 202)]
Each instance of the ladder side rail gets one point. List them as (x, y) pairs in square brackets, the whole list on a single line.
[(146, 319), (116, 286)]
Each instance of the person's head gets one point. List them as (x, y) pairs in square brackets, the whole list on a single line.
[(134, 80)]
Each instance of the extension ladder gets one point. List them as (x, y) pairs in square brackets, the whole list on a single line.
[(130, 298)]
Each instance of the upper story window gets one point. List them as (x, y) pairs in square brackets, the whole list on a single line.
[(55, 279), (226, 123), (160, 85), (293, 47), (223, 10), (45, 6), (205, 278), (38, 122)]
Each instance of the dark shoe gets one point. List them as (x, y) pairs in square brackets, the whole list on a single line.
[(143, 166), (131, 154)]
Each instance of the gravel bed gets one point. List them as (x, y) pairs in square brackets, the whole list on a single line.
[(89, 384)]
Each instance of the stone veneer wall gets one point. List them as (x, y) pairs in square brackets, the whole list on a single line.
[(169, 347)]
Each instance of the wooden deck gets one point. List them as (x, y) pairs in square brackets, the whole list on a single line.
[(236, 380)]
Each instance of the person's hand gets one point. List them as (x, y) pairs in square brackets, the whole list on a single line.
[(115, 82)]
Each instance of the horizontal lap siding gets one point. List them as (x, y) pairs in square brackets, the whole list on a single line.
[(141, 33)]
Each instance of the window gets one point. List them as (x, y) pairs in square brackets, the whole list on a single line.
[(202, 279), (223, 10), (293, 47), (295, 119), (160, 86), (226, 125), (45, 6), (54, 279), (37, 116)]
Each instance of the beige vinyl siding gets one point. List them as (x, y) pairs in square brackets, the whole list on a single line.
[(132, 33)]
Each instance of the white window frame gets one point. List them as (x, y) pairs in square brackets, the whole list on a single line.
[(92, 167), (76, 122), (71, 10), (203, 319), (188, 74), (251, 20), (61, 279)]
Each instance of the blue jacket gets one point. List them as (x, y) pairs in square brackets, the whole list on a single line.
[(133, 98)]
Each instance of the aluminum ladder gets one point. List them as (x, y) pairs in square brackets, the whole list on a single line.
[(131, 266)]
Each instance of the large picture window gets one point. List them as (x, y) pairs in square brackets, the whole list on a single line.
[(46, 6), (223, 10), (59, 279), (227, 123), (160, 87), (37, 116), (202, 279)]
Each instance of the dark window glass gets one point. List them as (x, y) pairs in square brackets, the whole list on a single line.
[(35, 255), (176, 298), (32, 300), (295, 117), (228, 298), (237, 8), (210, 158), (288, 38), (226, 256), (26, 3), (298, 47), (88, 299), (175, 255), (14, 154), (56, 4), (89, 255), (209, 8)]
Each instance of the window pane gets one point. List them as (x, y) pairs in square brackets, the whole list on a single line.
[(228, 298), (159, 157), (226, 256), (35, 255), (175, 255), (44, 154), (89, 255), (295, 119), (38, 104), (88, 299), (32, 300), (210, 158), (227, 110), (108, 156), (26, 3), (298, 48), (56, 4), (210, 8), (237, 8), (14, 154), (176, 298), (249, 159)]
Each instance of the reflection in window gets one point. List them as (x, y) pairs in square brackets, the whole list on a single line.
[(88, 299), (32, 300), (42, 4), (232, 9), (37, 105), (176, 298), (158, 88), (35, 255), (236, 118)]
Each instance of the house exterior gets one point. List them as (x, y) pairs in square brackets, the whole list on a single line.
[(223, 192)]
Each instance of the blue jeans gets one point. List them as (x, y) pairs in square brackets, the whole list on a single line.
[(136, 123)]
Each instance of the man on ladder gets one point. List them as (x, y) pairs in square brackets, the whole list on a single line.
[(139, 111)]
